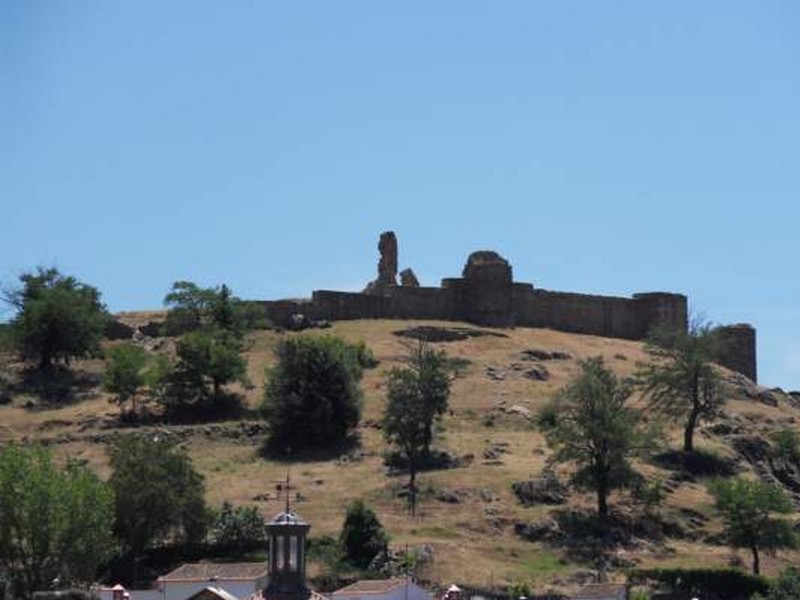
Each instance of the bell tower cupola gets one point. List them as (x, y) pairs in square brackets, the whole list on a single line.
[(287, 534)]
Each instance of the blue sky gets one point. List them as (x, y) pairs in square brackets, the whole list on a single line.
[(603, 147)]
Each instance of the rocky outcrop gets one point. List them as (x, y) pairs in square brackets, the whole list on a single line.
[(117, 330), (545, 489)]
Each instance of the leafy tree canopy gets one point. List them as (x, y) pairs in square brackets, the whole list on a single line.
[(747, 509), (785, 587), (313, 395), (238, 528), (595, 428), (126, 373), (362, 537), (58, 318), (208, 359), (191, 307), (54, 522), (158, 494), (680, 380)]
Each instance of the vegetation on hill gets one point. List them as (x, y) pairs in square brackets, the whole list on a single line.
[(416, 395), (466, 513), (362, 538), (596, 428), (55, 522), (680, 379), (747, 509), (158, 494), (313, 396), (58, 318)]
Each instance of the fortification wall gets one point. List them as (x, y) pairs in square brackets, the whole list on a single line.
[(486, 294), (738, 349), (400, 303), (581, 313)]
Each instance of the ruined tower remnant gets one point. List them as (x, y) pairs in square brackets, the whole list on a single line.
[(738, 349), (487, 284), (486, 294), (387, 265), (408, 278)]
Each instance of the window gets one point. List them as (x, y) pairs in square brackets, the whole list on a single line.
[(280, 551), (293, 553)]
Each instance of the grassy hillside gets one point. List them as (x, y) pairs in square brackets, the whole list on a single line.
[(474, 540)]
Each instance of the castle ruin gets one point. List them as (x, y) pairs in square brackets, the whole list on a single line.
[(486, 294)]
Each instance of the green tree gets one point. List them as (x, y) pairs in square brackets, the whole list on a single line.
[(208, 359), (126, 374), (595, 428), (405, 425), (238, 528), (680, 381), (188, 307), (54, 522), (431, 370), (362, 537), (158, 494), (747, 509), (313, 395), (785, 587), (191, 307), (58, 318), (417, 395)]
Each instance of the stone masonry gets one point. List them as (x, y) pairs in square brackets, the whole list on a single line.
[(486, 294)]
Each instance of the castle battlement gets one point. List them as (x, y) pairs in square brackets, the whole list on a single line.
[(486, 294)]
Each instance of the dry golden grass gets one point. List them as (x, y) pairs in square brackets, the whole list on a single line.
[(470, 546)]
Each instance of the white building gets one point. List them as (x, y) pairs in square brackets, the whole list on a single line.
[(381, 589)]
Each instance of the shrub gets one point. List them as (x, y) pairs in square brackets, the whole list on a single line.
[(723, 583), (362, 537), (787, 444), (238, 529)]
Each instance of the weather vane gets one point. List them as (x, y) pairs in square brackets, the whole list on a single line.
[(287, 489)]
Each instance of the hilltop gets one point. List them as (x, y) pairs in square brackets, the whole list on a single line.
[(469, 515)]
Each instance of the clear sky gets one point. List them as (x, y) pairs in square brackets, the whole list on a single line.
[(603, 147)]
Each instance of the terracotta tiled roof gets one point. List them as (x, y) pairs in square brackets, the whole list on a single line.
[(369, 586), (211, 571), (594, 591)]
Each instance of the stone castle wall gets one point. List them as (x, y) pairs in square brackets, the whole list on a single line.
[(487, 295)]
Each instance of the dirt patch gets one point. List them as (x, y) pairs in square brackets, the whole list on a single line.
[(430, 333)]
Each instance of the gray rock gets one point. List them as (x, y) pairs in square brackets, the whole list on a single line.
[(545, 530), (538, 373), (545, 489)]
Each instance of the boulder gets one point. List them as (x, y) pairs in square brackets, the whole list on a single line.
[(538, 373), (117, 330), (545, 489)]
